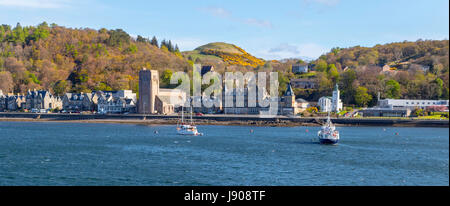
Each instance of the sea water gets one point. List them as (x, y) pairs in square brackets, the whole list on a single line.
[(51, 153)]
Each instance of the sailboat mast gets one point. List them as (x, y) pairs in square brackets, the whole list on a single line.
[(182, 114), (191, 114)]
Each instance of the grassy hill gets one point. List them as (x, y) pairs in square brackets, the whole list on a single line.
[(219, 52)]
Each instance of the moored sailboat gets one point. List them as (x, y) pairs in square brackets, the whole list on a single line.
[(184, 128)]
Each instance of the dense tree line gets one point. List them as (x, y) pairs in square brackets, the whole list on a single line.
[(81, 60), (415, 70), (78, 60)]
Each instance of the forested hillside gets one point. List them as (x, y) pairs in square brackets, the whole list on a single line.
[(79, 60), (63, 60), (416, 70)]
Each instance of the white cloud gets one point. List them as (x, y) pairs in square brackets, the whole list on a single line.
[(283, 51), (217, 11), (41, 4), (226, 14), (260, 23), (324, 2), (285, 48)]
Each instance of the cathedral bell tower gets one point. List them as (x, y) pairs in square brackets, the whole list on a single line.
[(289, 97)]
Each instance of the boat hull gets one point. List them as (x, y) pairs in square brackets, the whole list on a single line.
[(189, 133), (328, 141)]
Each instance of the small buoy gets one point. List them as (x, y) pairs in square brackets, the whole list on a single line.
[(306, 130), (251, 131), (396, 133), (156, 132)]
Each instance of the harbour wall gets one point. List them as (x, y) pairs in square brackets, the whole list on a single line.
[(231, 119)]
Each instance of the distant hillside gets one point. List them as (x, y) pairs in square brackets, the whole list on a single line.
[(219, 52), (408, 70), (402, 55), (64, 59)]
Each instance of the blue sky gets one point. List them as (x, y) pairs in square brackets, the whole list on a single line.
[(266, 29)]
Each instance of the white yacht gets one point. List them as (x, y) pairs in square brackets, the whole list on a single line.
[(328, 133), (184, 128)]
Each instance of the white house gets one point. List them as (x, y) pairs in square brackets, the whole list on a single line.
[(300, 68), (107, 103), (331, 104), (324, 104), (127, 94)]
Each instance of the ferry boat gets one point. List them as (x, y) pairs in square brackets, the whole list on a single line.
[(328, 133), (184, 128)]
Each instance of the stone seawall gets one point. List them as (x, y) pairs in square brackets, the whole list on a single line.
[(224, 120)]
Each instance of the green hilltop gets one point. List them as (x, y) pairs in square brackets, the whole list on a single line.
[(219, 52)]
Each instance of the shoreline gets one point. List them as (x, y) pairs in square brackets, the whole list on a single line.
[(217, 120), (160, 122)]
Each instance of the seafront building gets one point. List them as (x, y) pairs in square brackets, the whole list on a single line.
[(289, 105), (122, 101), (331, 104), (73, 102), (110, 104), (77, 102), (15, 102), (324, 104), (154, 100), (404, 107), (42, 100), (2, 101), (249, 104), (33, 100), (411, 103)]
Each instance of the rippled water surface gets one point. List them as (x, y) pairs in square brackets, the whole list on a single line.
[(36, 153)]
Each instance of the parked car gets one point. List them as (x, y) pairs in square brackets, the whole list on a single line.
[(199, 114)]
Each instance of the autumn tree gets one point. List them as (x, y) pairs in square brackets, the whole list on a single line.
[(321, 65), (347, 88), (118, 37), (61, 87), (154, 41), (165, 77), (392, 89), (362, 98), (17, 36), (6, 82), (141, 39), (333, 73)]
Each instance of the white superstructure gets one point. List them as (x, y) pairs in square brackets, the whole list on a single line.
[(336, 103)]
